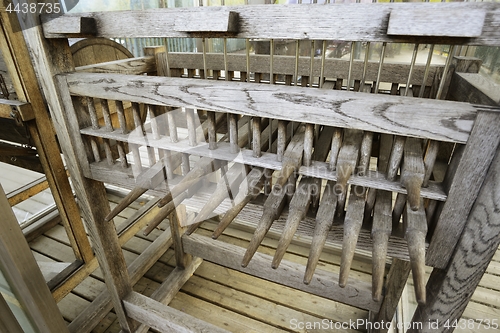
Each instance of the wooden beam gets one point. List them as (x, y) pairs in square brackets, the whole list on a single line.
[(78, 26), (323, 283), (10, 109), (474, 88), (132, 66), (450, 290), (432, 119), (425, 22), (221, 21), (27, 191), (465, 182), (347, 22), (171, 286), (23, 275), (164, 318), (283, 64), (21, 70)]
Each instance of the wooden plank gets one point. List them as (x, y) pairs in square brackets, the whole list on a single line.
[(450, 290), (132, 66), (24, 277), (467, 179), (8, 108), (347, 22), (424, 22), (285, 65), (163, 318), (433, 119), (27, 191), (289, 274)]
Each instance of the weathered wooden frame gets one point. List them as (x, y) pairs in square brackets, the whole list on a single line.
[(482, 143)]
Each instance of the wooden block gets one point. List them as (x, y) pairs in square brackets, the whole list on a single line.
[(436, 22), (74, 25), (222, 20)]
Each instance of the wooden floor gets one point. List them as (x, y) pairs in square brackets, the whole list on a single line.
[(239, 302)]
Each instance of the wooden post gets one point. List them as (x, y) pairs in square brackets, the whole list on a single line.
[(49, 59), (450, 290), (178, 220), (23, 275)]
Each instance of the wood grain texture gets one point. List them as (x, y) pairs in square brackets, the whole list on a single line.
[(286, 65), (450, 290), (164, 318), (221, 21), (423, 22), (347, 22), (438, 120), (133, 66), (473, 88), (464, 183), (23, 275), (290, 274)]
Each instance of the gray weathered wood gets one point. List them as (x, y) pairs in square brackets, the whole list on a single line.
[(450, 290), (473, 88), (442, 120), (72, 26), (415, 225), (347, 22), (413, 171), (324, 221), (464, 183), (23, 275), (164, 318), (423, 22), (289, 274), (9, 323), (134, 66), (222, 20), (171, 286)]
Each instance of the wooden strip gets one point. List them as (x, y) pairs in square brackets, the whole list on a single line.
[(27, 191), (359, 22), (163, 318), (169, 288), (478, 154), (289, 274), (376, 113), (413, 171), (222, 20), (346, 163)]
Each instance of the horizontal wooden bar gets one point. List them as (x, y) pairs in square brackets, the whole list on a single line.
[(424, 22), (343, 22), (164, 318), (407, 116), (324, 284), (132, 66), (282, 64), (114, 174), (221, 20)]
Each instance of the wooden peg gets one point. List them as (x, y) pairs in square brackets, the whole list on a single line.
[(381, 231), (249, 191), (282, 125), (346, 163), (395, 157), (415, 225), (365, 153), (336, 144), (429, 160), (413, 171), (324, 221), (352, 226), (164, 212), (308, 144)]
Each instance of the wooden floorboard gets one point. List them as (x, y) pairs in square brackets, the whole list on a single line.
[(233, 300)]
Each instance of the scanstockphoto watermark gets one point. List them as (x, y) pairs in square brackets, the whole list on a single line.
[(29, 11), (358, 324)]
